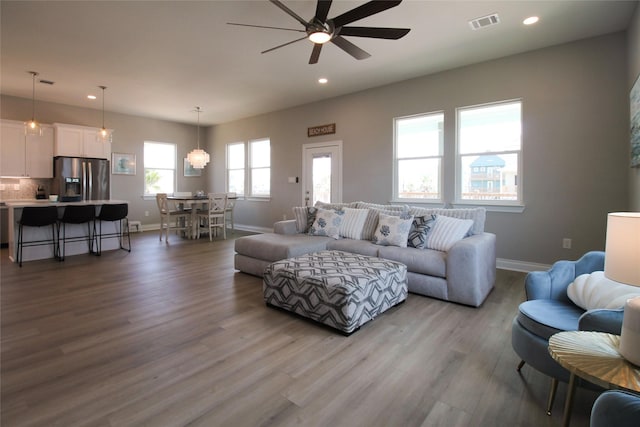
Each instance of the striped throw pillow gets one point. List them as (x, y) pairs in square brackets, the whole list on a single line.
[(353, 223), (446, 231)]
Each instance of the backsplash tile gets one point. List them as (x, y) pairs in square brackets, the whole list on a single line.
[(23, 188)]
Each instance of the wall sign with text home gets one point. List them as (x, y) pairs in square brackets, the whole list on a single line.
[(321, 130)]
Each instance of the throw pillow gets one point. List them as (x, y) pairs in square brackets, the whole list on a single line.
[(446, 231), (304, 217), (327, 223), (393, 230), (420, 230), (594, 290), (352, 223), (371, 222)]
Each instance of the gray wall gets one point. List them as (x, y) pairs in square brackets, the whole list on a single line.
[(130, 132), (633, 49), (576, 142), (576, 108)]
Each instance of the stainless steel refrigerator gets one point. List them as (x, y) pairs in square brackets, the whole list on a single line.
[(76, 179)]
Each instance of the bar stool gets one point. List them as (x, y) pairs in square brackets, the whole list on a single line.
[(113, 213), (77, 214), (38, 217)]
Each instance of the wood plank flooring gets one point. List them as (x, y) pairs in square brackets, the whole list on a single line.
[(171, 335)]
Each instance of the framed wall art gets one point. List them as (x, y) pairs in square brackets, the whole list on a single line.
[(123, 164), (190, 170)]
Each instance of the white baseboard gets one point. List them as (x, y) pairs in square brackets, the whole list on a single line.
[(524, 266)]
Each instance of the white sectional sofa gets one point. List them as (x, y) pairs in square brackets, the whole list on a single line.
[(464, 273)]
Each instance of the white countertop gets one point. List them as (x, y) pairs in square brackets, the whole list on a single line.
[(45, 202)]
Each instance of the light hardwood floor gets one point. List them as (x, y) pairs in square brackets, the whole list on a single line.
[(171, 335)]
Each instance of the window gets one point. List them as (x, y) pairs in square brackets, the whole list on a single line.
[(249, 175), (489, 153), (159, 168), (235, 168), (260, 168), (418, 157)]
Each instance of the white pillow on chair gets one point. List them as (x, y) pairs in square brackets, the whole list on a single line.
[(594, 290)]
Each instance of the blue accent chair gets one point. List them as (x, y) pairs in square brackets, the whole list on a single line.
[(548, 310), (616, 408)]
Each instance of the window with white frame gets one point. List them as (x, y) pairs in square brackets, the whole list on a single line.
[(235, 168), (260, 168), (489, 150), (159, 168), (418, 157)]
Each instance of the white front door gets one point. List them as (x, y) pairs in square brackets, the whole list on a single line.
[(322, 172)]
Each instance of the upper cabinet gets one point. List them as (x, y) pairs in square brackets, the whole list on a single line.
[(80, 141), (25, 155)]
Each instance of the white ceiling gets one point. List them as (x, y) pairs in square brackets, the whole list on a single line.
[(161, 58)]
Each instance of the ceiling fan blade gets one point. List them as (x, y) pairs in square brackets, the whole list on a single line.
[(350, 48), (375, 32), (284, 44), (367, 9), (289, 12), (264, 26), (315, 53), (322, 9)]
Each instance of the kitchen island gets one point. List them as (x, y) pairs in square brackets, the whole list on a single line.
[(31, 253)]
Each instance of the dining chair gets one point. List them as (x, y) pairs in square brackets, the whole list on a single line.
[(168, 212), (214, 216), (228, 212)]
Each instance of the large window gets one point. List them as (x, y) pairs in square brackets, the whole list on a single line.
[(489, 153), (260, 167), (418, 157), (249, 168), (159, 168), (235, 168)]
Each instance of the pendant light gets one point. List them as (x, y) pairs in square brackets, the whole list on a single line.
[(32, 127), (105, 135), (198, 157)]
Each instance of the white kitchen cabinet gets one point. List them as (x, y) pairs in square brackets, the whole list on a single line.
[(80, 141), (25, 155)]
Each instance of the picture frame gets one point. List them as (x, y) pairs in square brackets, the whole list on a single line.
[(123, 164), (190, 170), (634, 101)]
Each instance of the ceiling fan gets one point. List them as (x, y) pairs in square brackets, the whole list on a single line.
[(321, 30)]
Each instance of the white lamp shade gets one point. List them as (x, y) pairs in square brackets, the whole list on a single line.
[(622, 252), (198, 158)]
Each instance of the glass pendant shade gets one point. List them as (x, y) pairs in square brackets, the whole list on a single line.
[(32, 127), (198, 157), (105, 135)]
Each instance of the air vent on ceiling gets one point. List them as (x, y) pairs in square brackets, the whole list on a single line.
[(46, 82), (484, 21)]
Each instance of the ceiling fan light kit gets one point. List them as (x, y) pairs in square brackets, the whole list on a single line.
[(321, 30)]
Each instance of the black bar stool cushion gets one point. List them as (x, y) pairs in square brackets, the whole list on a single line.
[(113, 212), (39, 216), (78, 214)]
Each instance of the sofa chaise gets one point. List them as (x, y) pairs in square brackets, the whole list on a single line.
[(464, 273)]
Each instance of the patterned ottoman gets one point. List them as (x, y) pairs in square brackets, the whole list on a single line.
[(339, 289)]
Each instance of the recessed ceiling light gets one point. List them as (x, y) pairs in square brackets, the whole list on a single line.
[(323, 80), (91, 96), (531, 20)]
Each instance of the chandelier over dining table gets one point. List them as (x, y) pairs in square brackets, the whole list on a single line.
[(198, 158)]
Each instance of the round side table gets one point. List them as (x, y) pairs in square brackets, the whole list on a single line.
[(593, 356)]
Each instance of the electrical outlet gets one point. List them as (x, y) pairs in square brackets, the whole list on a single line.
[(146, 213), (284, 217), (566, 243)]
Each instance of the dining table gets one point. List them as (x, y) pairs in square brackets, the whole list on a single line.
[(192, 203), (195, 203)]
